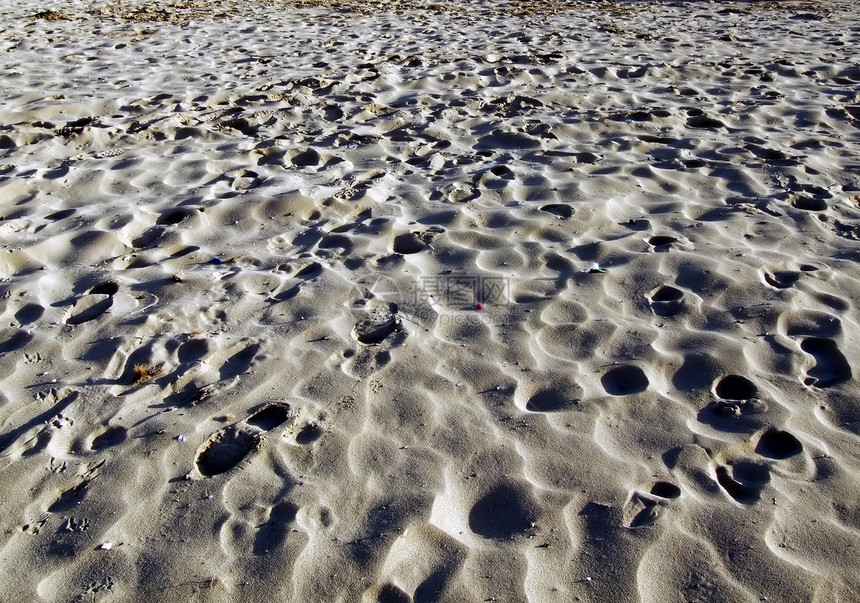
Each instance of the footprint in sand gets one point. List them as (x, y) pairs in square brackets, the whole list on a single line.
[(778, 445), (737, 409), (743, 481), (736, 388), (661, 242), (227, 448), (93, 303), (502, 513), (551, 400), (643, 509), (666, 300), (831, 368), (109, 437), (409, 243), (381, 322), (781, 279), (624, 381), (558, 209), (272, 534)]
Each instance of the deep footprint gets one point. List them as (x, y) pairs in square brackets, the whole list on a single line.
[(745, 482), (549, 400), (831, 368), (112, 436), (640, 511), (735, 387), (225, 450), (502, 513), (665, 490), (624, 381), (269, 417), (667, 301), (781, 279), (776, 444)]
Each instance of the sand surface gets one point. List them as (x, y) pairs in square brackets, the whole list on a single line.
[(298, 301)]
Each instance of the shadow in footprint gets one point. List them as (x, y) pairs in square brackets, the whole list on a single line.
[(269, 417), (13, 339), (29, 313), (69, 499), (112, 436), (667, 301), (225, 450), (376, 328), (387, 593), (309, 434), (558, 209), (831, 368), (88, 308), (640, 511), (624, 381), (661, 242), (665, 490), (776, 444), (502, 513), (745, 482), (272, 534), (408, 243), (239, 362), (550, 400), (735, 387), (781, 279)]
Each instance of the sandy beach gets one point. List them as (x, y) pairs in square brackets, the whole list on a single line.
[(368, 301)]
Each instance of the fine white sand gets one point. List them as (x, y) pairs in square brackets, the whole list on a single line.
[(296, 301)]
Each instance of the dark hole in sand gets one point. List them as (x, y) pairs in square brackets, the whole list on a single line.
[(703, 121), (661, 240), (306, 158), (372, 333), (809, 203), (176, 216), (548, 400), (776, 444), (112, 436), (831, 367), (665, 490), (29, 313), (309, 433), (740, 492), (735, 387), (106, 288), (502, 171), (667, 294), (502, 513), (781, 279), (408, 243), (586, 157), (192, 350), (559, 209), (60, 215), (389, 593), (624, 380), (269, 417), (225, 451), (309, 271)]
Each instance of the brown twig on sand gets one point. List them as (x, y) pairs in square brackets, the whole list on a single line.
[(145, 372)]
